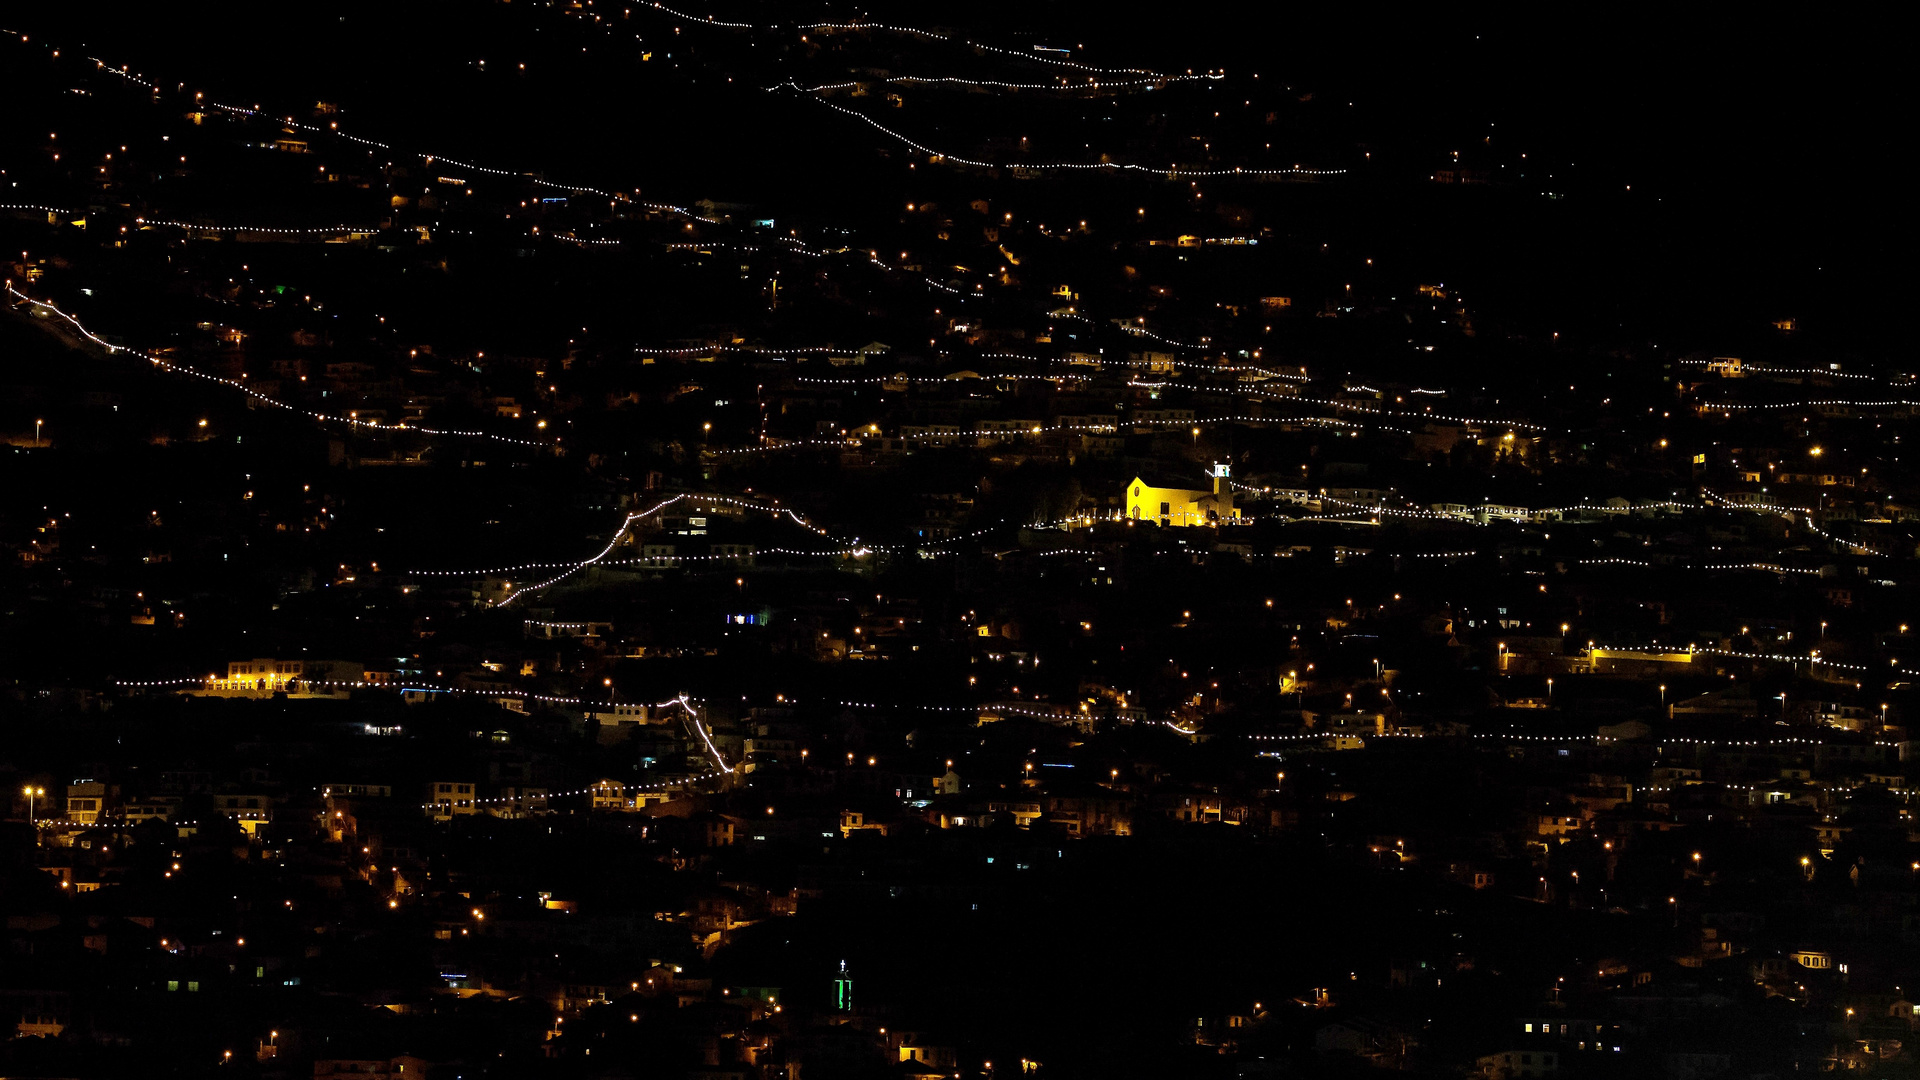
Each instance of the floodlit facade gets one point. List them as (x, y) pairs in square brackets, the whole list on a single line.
[(262, 677), (1173, 506), (447, 798)]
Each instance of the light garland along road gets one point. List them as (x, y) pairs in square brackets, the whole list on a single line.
[(911, 31), (1104, 167), (640, 515), (872, 258), (691, 715), (794, 245), (1068, 524), (326, 230), (615, 197), (163, 365), (627, 524), (235, 384)]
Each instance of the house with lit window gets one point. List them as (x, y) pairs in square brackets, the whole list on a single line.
[(610, 795), (1516, 1064), (87, 801), (445, 799), (1165, 504), (250, 811), (626, 713)]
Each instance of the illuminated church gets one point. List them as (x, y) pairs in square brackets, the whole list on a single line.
[(1147, 501)]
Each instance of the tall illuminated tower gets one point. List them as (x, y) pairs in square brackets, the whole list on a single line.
[(843, 990)]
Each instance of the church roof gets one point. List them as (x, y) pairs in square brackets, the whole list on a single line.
[(1176, 483)]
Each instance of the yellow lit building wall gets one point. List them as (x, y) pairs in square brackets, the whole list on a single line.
[(1178, 506)]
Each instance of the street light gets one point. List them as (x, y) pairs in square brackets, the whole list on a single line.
[(32, 793), (36, 431)]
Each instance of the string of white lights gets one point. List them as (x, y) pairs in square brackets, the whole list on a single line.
[(656, 561), (333, 129), (401, 688), (1463, 518), (1899, 403), (1788, 513), (1141, 331), (1768, 370), (504, 172), (1774, 568), (1151, 365), (946, 435), (321, 417), (1064, 712), (1858, 549), (538, 797), (694, 719), (1598, 739), (778, 512), (1059, 84), (909, 30), (626, 525), (939, 380), (331, 230), (1812, 658), (718, 347), (1101, 166)]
